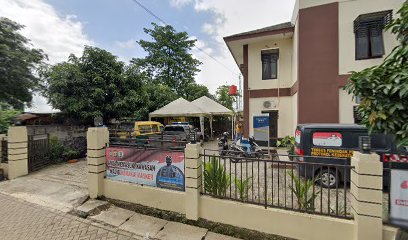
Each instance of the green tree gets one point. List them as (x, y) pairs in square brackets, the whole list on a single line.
[(7, 115), (96, 84), (223, 97), (168, 59), (19, 63), (195, 90), (155, 96), (383, 89)]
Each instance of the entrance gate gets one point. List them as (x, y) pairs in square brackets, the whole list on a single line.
[(38, 152), (4, 151)]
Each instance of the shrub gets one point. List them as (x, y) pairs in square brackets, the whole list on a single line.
[(287, 142), (243, 188), (216, 180), (56, 150), (62, 151), (303, 192)]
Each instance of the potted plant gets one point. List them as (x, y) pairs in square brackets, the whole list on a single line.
[(287, 142)]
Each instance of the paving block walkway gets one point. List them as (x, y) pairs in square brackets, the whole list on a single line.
[(23, 220)]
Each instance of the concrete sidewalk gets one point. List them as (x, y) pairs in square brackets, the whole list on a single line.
[(21, 220), (60, 186), (136, 225)]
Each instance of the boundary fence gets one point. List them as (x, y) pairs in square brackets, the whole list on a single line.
[(291, 185), (38, 152), (366, 171), (4, 150)]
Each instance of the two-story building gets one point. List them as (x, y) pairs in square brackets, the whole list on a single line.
[(294, 72)]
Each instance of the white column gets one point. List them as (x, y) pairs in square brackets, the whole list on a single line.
[(366, 196), (97, 138), (193, 180)]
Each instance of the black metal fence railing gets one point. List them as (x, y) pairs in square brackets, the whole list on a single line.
[(276, 181), (4, 151), (38, 152), (119, 137)]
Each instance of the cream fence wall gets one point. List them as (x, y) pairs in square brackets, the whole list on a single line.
[(366, 178)]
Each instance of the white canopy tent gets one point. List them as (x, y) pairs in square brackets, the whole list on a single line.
[(181, 107), (201, 107), (214, 108)]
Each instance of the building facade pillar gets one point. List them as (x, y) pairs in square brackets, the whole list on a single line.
[(366, 196), (193, 180), (97, 140), (17, 152)]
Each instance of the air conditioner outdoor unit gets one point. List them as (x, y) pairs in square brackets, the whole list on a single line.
[(267, 104)]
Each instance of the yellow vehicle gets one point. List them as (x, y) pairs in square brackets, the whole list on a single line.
[(140, 129)]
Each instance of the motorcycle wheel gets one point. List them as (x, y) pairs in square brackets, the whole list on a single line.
[(234, 157)]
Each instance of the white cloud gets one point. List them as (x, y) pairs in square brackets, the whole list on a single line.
[(129, 44), (230, 17), (208, 28), (57, 35), (180, 3)]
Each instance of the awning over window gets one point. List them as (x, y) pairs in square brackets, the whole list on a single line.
[(378, 19)]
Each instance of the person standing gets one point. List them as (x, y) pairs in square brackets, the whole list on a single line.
[(238, 131)]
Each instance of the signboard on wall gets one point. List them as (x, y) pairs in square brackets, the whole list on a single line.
[(399, 198), (156, 168), (261, 128)]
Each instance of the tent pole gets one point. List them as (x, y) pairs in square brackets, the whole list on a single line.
[(211, 126), (202, 125), (232, 126)]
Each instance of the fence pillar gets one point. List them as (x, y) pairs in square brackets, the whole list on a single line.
[(193, 180), (97, 138), (17, 152), (366, 196)]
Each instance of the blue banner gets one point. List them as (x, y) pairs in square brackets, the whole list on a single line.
[(261, 128)]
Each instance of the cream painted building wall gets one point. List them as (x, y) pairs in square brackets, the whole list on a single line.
[(294, 113), (346, 104), (284, 79), (348, 12), (283, 105)]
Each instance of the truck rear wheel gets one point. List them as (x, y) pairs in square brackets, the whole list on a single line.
[(328, 178)]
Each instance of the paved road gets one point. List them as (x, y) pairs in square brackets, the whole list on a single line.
[(23, 220)]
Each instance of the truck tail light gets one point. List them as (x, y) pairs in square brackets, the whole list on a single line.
[(299, 151)]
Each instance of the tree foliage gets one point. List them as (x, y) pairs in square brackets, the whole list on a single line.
[(7, 115), (169, 61), (195, 90), (96, 84), (223, 97), (154, 96), (383, 89), (18, 65)]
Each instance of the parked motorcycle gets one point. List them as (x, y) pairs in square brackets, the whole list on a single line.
[(246, 149), (223, 146)]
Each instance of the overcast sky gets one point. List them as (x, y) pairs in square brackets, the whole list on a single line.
[(62, 27)]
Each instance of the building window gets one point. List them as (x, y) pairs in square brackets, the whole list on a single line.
[(368, 30), (270, 64)]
